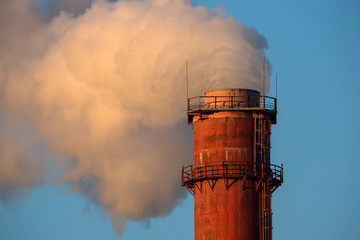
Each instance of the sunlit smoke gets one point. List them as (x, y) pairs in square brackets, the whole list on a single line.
[(99, 88)]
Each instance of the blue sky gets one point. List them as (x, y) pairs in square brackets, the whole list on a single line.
[(314, 47)]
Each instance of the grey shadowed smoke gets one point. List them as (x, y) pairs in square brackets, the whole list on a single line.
[(94, 96)]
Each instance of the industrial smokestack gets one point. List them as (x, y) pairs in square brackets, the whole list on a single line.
[(232, 177), (92, 95)]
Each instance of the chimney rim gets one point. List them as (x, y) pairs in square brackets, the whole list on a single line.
[(240, 90)]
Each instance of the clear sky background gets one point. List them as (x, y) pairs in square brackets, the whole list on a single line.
[(314, 48)]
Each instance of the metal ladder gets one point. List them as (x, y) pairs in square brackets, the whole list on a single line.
[(266, 213), (261, 145)]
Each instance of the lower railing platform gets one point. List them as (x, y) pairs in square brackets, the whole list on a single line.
[(231, 172)]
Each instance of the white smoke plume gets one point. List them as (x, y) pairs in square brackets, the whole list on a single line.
[(93, 94)]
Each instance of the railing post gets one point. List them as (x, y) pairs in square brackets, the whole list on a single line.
[(182, 175), (205, 171), (223, 163), (192, 172), (215, 101)]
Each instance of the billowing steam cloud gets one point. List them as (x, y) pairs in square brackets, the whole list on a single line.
[(93, 94)]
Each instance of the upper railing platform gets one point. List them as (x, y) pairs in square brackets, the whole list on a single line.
[(210, 104)]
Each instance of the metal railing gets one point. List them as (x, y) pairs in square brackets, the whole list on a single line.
[(208, 103), (231, 170)]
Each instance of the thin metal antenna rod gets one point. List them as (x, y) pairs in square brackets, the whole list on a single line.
[(276, 84), (264, 77), (201, 87), (187, 82)]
